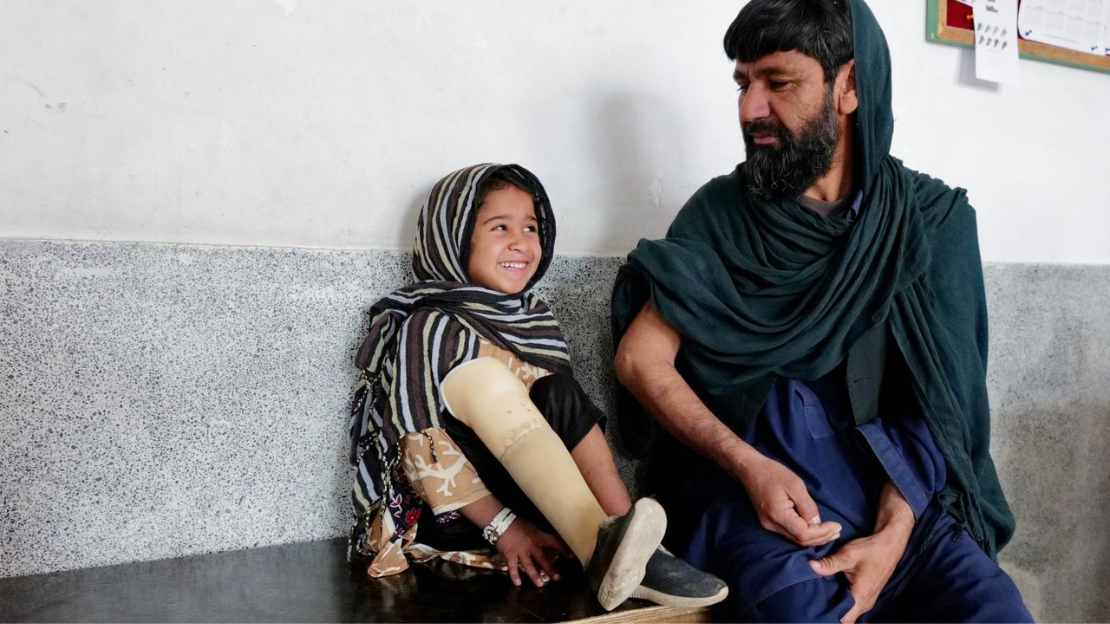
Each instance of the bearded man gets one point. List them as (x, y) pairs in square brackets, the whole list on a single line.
[(809, 344)]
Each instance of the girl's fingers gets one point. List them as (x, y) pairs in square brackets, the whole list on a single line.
[(553, 544), (546, 565), (514, 572), (530, 570)]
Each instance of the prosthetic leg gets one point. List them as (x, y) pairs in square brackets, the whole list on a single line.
[(488, 398)]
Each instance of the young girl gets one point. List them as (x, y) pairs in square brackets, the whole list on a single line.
[(468, 428)]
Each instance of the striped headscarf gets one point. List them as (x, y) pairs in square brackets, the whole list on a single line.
[(442, 249), (417, 329)]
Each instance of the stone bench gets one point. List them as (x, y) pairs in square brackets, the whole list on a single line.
[(164, 401), (305, 582)]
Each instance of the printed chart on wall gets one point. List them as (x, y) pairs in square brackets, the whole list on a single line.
[(1066, 32), (1079, 25)]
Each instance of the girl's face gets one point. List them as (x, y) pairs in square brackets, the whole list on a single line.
[(505, 248)]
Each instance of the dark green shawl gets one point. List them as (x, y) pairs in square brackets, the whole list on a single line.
[(760, 289)]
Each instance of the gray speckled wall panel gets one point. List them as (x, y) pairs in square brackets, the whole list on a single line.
[(1049, 379), (162, 400)]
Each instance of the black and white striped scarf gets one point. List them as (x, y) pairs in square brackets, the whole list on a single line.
[(406, 344)]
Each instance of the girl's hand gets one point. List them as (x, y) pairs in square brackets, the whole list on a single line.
[(525, 546)]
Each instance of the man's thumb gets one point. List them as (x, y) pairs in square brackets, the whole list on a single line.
[(827, 566), (805, 506)]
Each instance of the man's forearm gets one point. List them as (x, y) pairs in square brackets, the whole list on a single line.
[(894, 516), (667, 397), (645, 365)]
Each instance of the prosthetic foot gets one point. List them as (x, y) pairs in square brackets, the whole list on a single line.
[(622, 552), (488, 398)]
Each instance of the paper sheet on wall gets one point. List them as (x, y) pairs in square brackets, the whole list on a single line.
[(1079, 25), (996, 42)]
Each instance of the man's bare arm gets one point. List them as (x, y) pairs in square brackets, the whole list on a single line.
[(645, 364)]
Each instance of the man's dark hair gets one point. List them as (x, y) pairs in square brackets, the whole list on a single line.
[(502, 178), (821, 29)]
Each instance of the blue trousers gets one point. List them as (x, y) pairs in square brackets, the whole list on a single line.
[(943, 576)]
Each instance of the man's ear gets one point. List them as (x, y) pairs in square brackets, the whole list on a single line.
[(846, 101)]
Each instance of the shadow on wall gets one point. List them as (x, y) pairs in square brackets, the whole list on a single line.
[(1056, 476), (1050, 350), (966, 75)]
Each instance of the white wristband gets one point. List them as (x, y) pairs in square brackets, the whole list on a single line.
[(497, 527)]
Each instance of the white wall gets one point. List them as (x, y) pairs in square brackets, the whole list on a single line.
[(278, 122)]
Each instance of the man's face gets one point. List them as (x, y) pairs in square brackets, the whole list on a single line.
[(789, 122)]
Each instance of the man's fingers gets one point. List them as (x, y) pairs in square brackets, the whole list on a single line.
[(827, 566), (807, 509), (830, 535), (805, 534), (822, 533), (796, 528)]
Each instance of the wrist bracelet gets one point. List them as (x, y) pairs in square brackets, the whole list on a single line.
[(496, 528)]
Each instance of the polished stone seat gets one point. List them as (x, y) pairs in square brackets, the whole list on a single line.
[(304, 582)]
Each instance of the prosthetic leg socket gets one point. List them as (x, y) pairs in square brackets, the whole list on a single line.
[(488, 398)]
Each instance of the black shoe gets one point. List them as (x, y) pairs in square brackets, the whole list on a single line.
[(672, 582), (624, 546)]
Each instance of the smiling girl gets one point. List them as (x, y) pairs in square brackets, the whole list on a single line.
[(468, 427)]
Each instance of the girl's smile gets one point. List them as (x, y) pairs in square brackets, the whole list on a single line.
[(505, 246)]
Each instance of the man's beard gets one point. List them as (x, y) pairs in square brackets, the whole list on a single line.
[(787, 169)]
